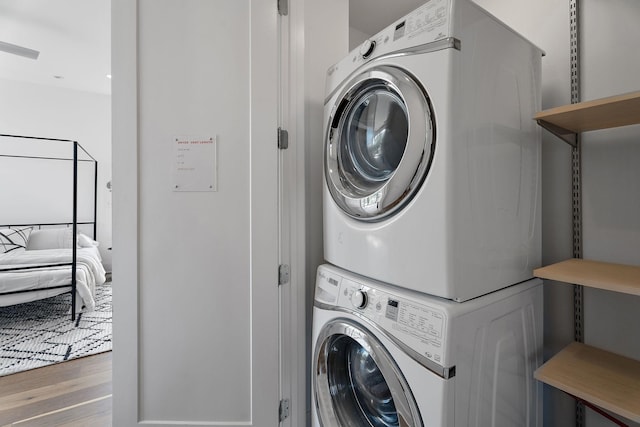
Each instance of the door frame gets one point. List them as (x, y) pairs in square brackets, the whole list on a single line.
[(124, 105)]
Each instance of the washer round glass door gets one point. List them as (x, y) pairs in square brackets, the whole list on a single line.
[(357, 383), (379, 143)]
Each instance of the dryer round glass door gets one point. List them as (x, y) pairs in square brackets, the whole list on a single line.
[(357, 383), (379, 143)]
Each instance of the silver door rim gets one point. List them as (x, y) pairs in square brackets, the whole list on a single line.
[(406, 407), (389, 196)]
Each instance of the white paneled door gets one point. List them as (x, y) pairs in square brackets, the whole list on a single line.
[(195, 225)]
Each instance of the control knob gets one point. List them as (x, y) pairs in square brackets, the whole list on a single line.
[(359, 299), (366, 49)]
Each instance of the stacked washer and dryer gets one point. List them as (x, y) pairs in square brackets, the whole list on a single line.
[(427, 314)]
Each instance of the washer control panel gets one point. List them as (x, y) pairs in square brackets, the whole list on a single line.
[(414, 323), (359, 298)]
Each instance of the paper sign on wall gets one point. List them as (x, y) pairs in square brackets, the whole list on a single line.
[(195, 164)]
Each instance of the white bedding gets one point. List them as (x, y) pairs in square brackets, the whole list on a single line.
[(89, 273)]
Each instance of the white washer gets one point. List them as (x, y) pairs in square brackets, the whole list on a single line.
[(385, 356), (432, 159)]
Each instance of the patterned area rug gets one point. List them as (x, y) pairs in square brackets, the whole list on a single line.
[(41, 332)]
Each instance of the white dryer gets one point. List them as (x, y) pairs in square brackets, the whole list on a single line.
[(385, 356), (432, 159)]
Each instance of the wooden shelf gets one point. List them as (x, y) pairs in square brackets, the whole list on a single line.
[(595, 274), (604, 113), (607, 380), (597, 377)]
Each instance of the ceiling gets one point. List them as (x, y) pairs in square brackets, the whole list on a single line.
[(371, 16), (73, 37)]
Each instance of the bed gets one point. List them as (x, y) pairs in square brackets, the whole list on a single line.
[(39, 271), (42, 260)]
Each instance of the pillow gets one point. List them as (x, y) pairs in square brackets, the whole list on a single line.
[(58, 238), (50, 238), (85, 241), (12, 239)]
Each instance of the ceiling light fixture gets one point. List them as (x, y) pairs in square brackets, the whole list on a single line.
[(19, 50), (109, 76)]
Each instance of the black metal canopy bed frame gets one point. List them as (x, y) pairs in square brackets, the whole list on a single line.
[(92, 223)]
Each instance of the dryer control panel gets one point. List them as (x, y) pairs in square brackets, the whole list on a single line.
[(412, 323), (429, 23)]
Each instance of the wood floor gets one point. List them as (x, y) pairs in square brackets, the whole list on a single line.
[(75, 393)]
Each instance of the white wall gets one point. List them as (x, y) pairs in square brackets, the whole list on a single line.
[(324, 45), (610, 174), (43, 111), (611, 196), (356, 37), (192, 240)]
